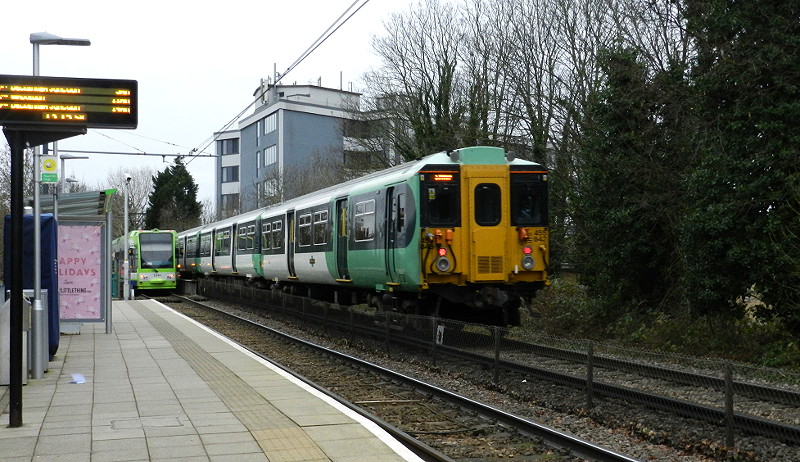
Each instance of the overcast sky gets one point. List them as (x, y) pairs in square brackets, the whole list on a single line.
[(197, 64)]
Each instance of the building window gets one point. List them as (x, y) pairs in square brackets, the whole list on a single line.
[(271, 155), (271, 187), (230, 174), (230, 202), (270, 123), (225, 147)]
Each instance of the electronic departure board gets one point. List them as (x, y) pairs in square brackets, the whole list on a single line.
[(65, 101)]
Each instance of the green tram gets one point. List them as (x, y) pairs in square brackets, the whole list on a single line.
[(152, 261)]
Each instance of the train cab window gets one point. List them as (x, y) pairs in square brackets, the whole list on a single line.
[(528, 199), (487, 204), (156, 250), (365, 221), (320, 227), (266, 236), (304, 230), (441, 204), (277, 235)]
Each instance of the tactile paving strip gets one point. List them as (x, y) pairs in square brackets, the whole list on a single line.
[(279, 437)]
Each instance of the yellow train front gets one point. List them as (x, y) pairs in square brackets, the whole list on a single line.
[(484, 239)]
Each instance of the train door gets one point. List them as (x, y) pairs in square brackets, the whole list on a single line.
[(342, 233), (395, 229), (235, 245), (488, 212), (290, 238)]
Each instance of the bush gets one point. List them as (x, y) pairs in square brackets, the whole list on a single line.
[(567, 309)]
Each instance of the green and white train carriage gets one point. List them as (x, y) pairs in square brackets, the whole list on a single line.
[(461, 234)]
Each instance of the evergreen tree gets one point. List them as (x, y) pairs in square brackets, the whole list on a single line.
[(629, 199), (173, 203), (740, 233)]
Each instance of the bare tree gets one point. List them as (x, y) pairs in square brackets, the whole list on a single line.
[(138, 187), (209, 214), (419, 83)]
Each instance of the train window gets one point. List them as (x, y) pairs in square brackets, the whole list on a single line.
[(343, 230), (266, 236), (400, 219), (321, 227), (191, 246), (304, 230), (241, 238), (440, 205), (251, 237), (528, 200), (205, 245), (487, 204), (277, 235), (365, 221), (222, 246)]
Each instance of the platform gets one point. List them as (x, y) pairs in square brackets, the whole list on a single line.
[(162, 387)]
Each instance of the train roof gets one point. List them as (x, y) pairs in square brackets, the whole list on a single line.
[(475, 155)]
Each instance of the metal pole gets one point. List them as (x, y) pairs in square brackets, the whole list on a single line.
[(729, 414), (107, 292), (17, 142), (126, 287), (37, 312)]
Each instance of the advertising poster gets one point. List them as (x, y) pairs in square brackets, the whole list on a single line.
[(80, 272)]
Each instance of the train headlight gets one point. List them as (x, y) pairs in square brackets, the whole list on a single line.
[(442, 263), (528, 263)]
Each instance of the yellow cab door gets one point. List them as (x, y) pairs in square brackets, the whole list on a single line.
[(486, 217)]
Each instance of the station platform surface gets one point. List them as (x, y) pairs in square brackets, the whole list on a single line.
[(162, 387)]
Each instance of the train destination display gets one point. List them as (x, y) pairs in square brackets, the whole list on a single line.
[(65, 101)]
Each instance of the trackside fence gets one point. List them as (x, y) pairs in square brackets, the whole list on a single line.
[(744, 399)]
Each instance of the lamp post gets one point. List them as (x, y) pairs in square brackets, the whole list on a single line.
[(126, 275), (63, 180), (38, 317)]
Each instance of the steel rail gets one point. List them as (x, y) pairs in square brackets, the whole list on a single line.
[(553, 437), (773, 429)]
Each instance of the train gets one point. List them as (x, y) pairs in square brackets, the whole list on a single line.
[(152, 259), (461, 234)]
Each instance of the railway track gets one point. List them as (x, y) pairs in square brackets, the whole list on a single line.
[(761, 409), (465, 428)]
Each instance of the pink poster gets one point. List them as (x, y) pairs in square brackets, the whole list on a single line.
[(79, 272)]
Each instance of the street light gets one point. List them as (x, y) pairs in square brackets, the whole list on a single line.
[(62, 186), (38, 317), (126, 276)]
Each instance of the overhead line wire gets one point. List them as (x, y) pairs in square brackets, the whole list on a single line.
[(338, 23)]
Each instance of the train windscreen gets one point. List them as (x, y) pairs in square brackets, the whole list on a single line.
[(156, 250), (441, 196), (528, 199)]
